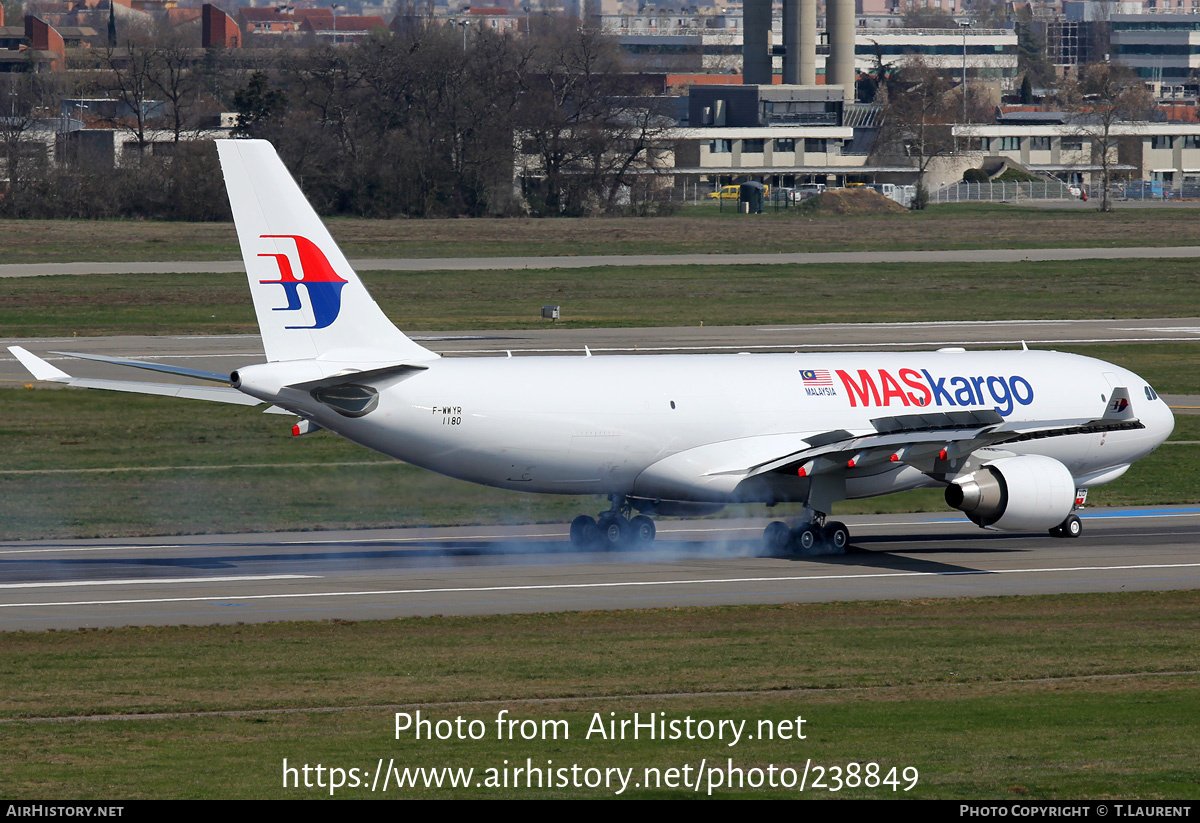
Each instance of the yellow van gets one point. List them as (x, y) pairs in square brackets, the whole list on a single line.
[(732, 192)]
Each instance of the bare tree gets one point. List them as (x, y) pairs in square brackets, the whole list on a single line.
[(175, 76), (918, 119), (585, 125), (21, 153), (989, 14), (132, 67), (1101, 98)]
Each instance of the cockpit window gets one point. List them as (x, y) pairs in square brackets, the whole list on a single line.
[(1151, 394)]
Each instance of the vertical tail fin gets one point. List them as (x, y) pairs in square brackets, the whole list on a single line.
[(309, 302)]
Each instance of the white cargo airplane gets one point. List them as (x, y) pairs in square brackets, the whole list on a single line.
[(1010, 435)]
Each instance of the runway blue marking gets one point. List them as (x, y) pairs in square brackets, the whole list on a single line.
[(1106, 513), (1084, 514)]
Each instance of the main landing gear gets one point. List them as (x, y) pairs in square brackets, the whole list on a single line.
[(613, 529), (812, 534)]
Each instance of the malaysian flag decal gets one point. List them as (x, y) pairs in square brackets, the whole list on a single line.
[(816, 377)]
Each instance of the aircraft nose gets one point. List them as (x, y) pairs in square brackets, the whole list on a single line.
[(1166, 423)]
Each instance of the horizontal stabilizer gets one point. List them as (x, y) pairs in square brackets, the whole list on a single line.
[(39, 368), (218, 394), (199, 374), (42, 370)]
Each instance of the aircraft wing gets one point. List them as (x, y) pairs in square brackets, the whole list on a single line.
[(42, 370), (920, 440)]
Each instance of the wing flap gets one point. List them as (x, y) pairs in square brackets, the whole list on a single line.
[(918, 447)]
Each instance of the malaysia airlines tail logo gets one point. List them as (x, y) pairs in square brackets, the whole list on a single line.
[(320, 281)]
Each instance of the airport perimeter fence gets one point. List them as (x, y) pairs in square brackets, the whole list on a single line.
[(993, 192)]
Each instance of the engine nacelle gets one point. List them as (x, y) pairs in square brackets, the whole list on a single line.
[(1016, 493)]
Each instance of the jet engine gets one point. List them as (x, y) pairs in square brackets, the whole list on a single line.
[(1030, 492)]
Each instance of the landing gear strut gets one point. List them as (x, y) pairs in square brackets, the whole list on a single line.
[(613, 529), (812, 534)]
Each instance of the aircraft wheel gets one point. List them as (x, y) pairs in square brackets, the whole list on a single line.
[(806, 538), (612, 530), (584, 532), (641, 530), (1072, 527), (837, 535), (776, 537)]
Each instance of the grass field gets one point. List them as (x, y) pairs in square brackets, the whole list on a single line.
[(700, 230), (1089, 696), (1022, 698), (636, 296)]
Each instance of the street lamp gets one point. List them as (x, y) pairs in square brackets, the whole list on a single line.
[(526, 9), (464, 24), (964, 26)]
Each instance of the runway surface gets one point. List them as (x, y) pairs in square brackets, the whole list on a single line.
[(226, 353), (67, 584), (589, 261), (384, 574)]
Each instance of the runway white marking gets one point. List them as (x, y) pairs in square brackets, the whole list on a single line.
[(973, 324), (623, 584), (219, 466), (156, 580), (806, 346)]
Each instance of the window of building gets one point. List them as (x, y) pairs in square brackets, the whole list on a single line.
[(1160, 141), (1039, 144), (816, 144), (1071, 145), (1191, 141), (753, 146), (1006, 144), (789, 143), (720, 146)]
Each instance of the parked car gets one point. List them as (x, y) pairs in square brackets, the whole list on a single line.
[(726, 193), (733, 191)]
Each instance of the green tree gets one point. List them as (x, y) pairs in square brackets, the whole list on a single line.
[(1032, 59), (14, 12), (1026, 91), (257, 106)]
